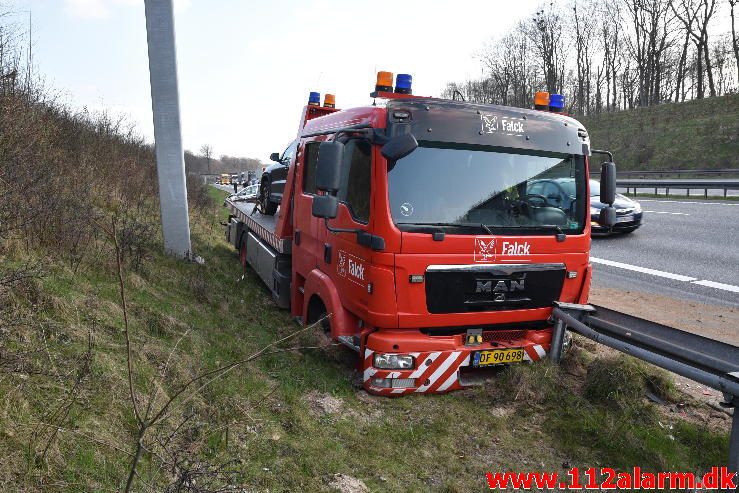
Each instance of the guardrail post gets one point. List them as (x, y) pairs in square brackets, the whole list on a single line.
[(558, 337)]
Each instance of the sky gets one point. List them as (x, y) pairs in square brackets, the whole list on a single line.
[(246, 67)]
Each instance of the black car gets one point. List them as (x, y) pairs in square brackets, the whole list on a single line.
[(272, 184), (628, 212)]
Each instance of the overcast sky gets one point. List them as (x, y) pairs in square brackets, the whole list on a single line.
[(246, 67)]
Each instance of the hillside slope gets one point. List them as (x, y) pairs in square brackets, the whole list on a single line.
[(701, 134)]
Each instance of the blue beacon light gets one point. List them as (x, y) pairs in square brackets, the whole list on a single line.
[(403, 83), (314, 99), (556, 103)]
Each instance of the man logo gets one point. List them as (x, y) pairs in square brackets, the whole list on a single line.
[(484, 249), (501, 286), (489, 123)]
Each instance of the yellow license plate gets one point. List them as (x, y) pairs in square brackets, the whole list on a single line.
[(497, 357)]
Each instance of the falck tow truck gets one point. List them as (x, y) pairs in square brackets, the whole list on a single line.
[(435, 234)]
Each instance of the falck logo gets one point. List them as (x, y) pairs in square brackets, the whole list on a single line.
[(484, 249), (489, 123), (507, 125), (352, 268), (341, 266)]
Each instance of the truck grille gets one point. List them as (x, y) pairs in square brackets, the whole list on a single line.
[(502, 335), (492, 287)]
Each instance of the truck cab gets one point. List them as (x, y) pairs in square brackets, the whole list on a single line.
[(414, 227)]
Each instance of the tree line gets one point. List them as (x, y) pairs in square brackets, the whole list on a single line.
[(206, 163), (610, 56)]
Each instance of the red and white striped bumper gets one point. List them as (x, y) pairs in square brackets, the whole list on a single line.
[(435, 372)]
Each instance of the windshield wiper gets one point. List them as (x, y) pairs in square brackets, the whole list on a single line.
[(560, 234), (453, 225)]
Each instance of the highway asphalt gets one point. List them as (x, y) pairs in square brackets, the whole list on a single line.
[(686, 249)]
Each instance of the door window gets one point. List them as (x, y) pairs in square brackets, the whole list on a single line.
[(356, 179), (309, 170)]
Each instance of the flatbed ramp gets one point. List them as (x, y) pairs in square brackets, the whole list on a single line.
[(261, 225)]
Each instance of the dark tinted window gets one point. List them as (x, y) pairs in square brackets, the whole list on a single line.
[(357, 168), (309, 172)]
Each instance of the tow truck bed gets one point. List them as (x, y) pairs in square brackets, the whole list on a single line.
[(253, 234), (261, 225)]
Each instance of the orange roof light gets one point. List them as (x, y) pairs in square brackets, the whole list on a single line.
[(541, 100), (329, 101), (384, 81)]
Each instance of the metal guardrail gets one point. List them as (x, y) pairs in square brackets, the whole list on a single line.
[(677, 173), (707, 361), (687, 184), (674, 173)]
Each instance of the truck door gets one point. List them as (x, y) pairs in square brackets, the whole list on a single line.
[(309, 234), (349, 266)]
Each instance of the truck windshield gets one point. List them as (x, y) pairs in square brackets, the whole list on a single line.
[(490, 189)]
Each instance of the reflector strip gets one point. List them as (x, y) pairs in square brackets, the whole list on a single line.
[(440, 371)]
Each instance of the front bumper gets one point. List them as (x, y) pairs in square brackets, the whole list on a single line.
[(440, 361), (618, 227)]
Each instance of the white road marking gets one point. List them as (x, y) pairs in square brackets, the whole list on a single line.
[(704, 202), (668, 275), (672, 213), (718, 285), (643, 270)]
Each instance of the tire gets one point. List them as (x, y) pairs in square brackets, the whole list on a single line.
[(242, 252), (268, 207)]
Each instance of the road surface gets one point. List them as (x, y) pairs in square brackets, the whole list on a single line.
[(686, 249)]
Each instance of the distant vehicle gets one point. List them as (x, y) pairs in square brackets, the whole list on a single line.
[(224, 179), (553, 192), (234, 178), (246, 193), (628, 212), (273, 179)]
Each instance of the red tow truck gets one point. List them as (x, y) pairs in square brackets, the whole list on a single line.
[(424, 228)]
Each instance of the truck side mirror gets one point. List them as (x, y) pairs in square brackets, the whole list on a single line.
[(325, 206), (275, 156), (399, 147), (608, 183), (328, 169), (607, 217)]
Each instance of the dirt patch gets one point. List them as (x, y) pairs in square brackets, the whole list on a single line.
[(713, 321), (347, 484), (322, 404)]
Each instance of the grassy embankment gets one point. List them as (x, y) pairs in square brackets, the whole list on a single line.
[(700, 134), (288, 420)]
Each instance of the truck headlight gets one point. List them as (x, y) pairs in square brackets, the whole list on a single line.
[(394, 361)]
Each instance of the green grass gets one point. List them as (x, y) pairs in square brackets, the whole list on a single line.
[(700, 134), (262, 420)]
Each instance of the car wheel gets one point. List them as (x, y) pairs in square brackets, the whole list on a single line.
[(268, 207)]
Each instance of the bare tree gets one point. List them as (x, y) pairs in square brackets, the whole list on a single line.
[(734, 39), (695, 16), (207, 152)]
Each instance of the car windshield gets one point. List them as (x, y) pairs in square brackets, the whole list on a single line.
[(594, 188), (484, 188)]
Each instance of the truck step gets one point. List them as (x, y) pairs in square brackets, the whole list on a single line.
[(351, 342)]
